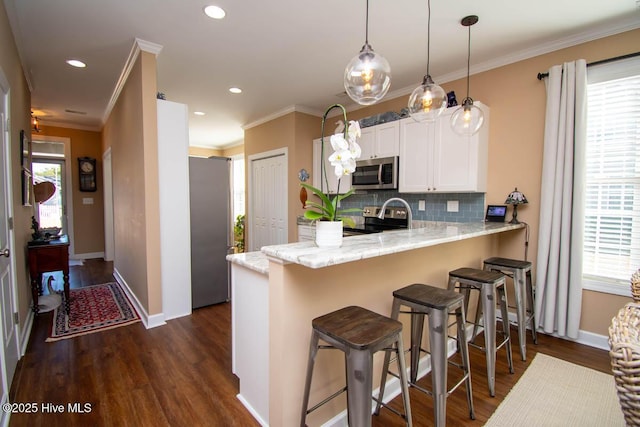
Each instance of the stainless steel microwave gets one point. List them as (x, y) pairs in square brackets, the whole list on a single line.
[(376, 174)]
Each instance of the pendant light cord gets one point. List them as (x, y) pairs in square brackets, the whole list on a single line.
[(366, 31), (468, 59), (428, 33)]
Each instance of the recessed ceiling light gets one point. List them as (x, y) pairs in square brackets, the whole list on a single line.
[(214, 12), (198, 113), (235, 90), (76, 63)]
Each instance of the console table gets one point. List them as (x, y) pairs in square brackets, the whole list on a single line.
[(48, 256)]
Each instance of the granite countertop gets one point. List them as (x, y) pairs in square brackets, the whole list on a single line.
[(372, 245), (355, 248), (256, 261)]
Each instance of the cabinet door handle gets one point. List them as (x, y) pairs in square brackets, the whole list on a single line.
[(6, 253)]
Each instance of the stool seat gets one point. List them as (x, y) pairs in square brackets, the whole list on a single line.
[(357, 327), (429, 296), (480, 276), (508, 262)]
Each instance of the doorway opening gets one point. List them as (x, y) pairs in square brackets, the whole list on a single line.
[(49, 166)]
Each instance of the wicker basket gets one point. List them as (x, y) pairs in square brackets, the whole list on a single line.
[(624, 342), (635, 286)]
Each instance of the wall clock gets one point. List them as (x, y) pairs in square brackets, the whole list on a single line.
[(87, 172)]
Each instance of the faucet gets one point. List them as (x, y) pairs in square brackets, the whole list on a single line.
[(404, 202)]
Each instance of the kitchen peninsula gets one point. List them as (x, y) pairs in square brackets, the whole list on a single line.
[(278, 291)]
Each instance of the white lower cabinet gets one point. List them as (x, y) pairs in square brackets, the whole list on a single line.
[(433, 158)]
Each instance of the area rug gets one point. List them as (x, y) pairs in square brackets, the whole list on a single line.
[(93, 309), (553, 392)]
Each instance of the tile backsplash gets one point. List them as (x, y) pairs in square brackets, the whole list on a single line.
[(470, 205)]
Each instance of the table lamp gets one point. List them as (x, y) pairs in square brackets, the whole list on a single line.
[(515, 198)]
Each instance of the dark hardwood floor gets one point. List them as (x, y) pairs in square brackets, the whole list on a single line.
[(180, 374)]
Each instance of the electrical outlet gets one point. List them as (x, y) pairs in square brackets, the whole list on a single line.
[(421, 205), (453, 206)]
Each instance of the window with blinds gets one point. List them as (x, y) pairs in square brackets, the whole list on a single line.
[(612, 197)]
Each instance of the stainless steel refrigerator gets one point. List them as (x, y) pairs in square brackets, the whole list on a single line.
[(211, 240)]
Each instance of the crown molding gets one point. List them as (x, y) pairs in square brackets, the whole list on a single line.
[(139, 45), (283, 112), (69, 125), (626, 24)]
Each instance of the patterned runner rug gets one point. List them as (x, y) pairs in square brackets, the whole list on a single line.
[(553, 392), (93, 309)]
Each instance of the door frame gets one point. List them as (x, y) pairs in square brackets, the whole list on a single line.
[(107, 184), (5, 99), (250, 202), (68, 177)]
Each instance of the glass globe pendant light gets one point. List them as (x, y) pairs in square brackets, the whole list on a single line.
[(428, 100), (367, 76), (467, 119)]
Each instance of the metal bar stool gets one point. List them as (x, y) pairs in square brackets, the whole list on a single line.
[(520, 271), (359, 333), (490, 284), (438, 304)]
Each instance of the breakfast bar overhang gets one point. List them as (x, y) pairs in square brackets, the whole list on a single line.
[(277, 292)]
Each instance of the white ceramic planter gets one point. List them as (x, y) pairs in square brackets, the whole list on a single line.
[(329, 234)]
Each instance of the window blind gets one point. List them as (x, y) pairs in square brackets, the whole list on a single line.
[(612, 192)]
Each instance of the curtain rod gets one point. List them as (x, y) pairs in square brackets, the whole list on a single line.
[(603, 61)]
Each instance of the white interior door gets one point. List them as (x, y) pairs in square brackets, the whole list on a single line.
[(268, 200), (8, 328)]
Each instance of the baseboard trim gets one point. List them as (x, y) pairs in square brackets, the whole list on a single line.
[(87, 255), (147, 320), (251, 410), (584, 337), (25, 333)]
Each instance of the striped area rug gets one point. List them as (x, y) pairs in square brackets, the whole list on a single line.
[(553, 392), (93, 309)]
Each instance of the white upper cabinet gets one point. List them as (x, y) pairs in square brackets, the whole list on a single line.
[(380, 141), (433, 158), (318, 182)]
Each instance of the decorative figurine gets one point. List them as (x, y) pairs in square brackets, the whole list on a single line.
[(451, 99), (36, 235)]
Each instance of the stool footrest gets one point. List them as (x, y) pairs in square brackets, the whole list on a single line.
[(395, 411), (334, 395)]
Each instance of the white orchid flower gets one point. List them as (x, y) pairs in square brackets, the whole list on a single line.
[(354, 131), (355, 150), (338, 142), (349, 166), (338, 159)]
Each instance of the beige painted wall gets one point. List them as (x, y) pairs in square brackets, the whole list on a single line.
[(294, 131), (88, 220), (19, 104), (233, 151), (204, 152), (131, 132)]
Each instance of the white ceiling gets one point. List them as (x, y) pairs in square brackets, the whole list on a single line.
[(282, 53)]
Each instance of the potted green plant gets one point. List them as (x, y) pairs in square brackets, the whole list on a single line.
[(238, 233), (327, 214)]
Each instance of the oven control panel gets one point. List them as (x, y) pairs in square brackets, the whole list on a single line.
[(391, 212)]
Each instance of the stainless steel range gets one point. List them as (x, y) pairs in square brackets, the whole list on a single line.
[(395, 218)]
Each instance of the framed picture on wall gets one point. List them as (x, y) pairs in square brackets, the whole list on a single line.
[(27, 185), (25, 166)]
